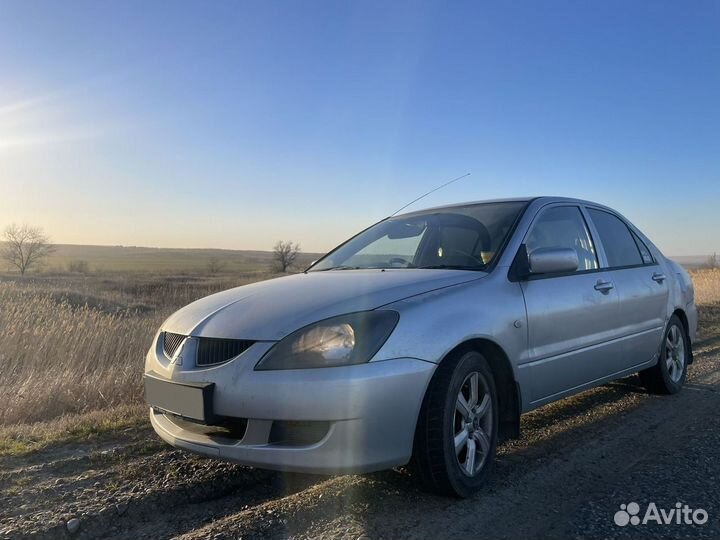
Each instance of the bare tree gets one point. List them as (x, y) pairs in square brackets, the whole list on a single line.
[(25, 246), (285, 254)]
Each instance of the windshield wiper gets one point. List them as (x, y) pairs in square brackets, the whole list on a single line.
[(340, 267)]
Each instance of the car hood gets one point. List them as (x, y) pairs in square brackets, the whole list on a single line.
[(270, 310)]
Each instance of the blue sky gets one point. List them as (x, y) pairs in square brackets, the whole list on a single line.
[(235, 124)]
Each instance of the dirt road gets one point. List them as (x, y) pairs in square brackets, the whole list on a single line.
[(576, 463)]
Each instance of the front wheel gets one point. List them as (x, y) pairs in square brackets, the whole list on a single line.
[(668, 375), (457, 429)]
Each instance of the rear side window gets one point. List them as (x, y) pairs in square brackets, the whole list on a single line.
[(644, 251), (619, 244), (563, 227)]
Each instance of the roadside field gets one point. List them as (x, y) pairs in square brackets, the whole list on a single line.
[(144, 259), (73, 344)]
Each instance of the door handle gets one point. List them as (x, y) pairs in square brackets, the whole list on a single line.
[(658, 277), (603, 286)]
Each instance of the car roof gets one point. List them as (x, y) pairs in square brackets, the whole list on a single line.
[(542, 199)]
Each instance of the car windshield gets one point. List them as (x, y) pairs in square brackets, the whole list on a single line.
[(462, 237)]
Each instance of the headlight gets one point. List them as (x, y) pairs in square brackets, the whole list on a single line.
[(338, 341)]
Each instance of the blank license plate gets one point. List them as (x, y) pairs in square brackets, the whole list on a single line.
[(189, 400)]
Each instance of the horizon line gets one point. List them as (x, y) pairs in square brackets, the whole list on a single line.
[(262, 250)]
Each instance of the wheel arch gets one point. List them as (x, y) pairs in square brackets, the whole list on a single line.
[(509, 396), (680, 314)]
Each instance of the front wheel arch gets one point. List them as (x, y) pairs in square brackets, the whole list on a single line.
[(508, 390)]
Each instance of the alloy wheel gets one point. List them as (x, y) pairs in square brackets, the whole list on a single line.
[(675, 353), (472, 423)]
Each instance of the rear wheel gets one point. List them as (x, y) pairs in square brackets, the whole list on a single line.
[(457, 429), (668, 375)]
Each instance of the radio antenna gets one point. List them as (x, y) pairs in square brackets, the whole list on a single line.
[(429, 192)]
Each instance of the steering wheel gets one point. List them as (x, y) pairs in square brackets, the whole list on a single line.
[(400, 261), (469, 255)]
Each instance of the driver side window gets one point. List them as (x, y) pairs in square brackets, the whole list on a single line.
[(564, 227)]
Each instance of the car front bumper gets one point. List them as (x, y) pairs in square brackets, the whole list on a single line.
[(367, 413)]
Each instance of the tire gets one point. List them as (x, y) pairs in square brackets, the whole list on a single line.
[(668, 375), (441, 424)]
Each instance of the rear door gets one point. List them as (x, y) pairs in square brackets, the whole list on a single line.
[(572, 316), (641, 286)]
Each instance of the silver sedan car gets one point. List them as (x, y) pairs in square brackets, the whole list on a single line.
[(422, 340)]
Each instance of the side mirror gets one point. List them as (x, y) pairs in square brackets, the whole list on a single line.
[(553, 260)]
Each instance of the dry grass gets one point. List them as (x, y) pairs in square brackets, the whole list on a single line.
[(57, 358), (707, 297), (19, 439), (73, 345), (707, 286)]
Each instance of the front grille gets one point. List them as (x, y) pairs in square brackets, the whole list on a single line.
[(171, 342), (216, 351)]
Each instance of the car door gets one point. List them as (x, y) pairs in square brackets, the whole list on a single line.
[(642, 287), (571, 317)]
